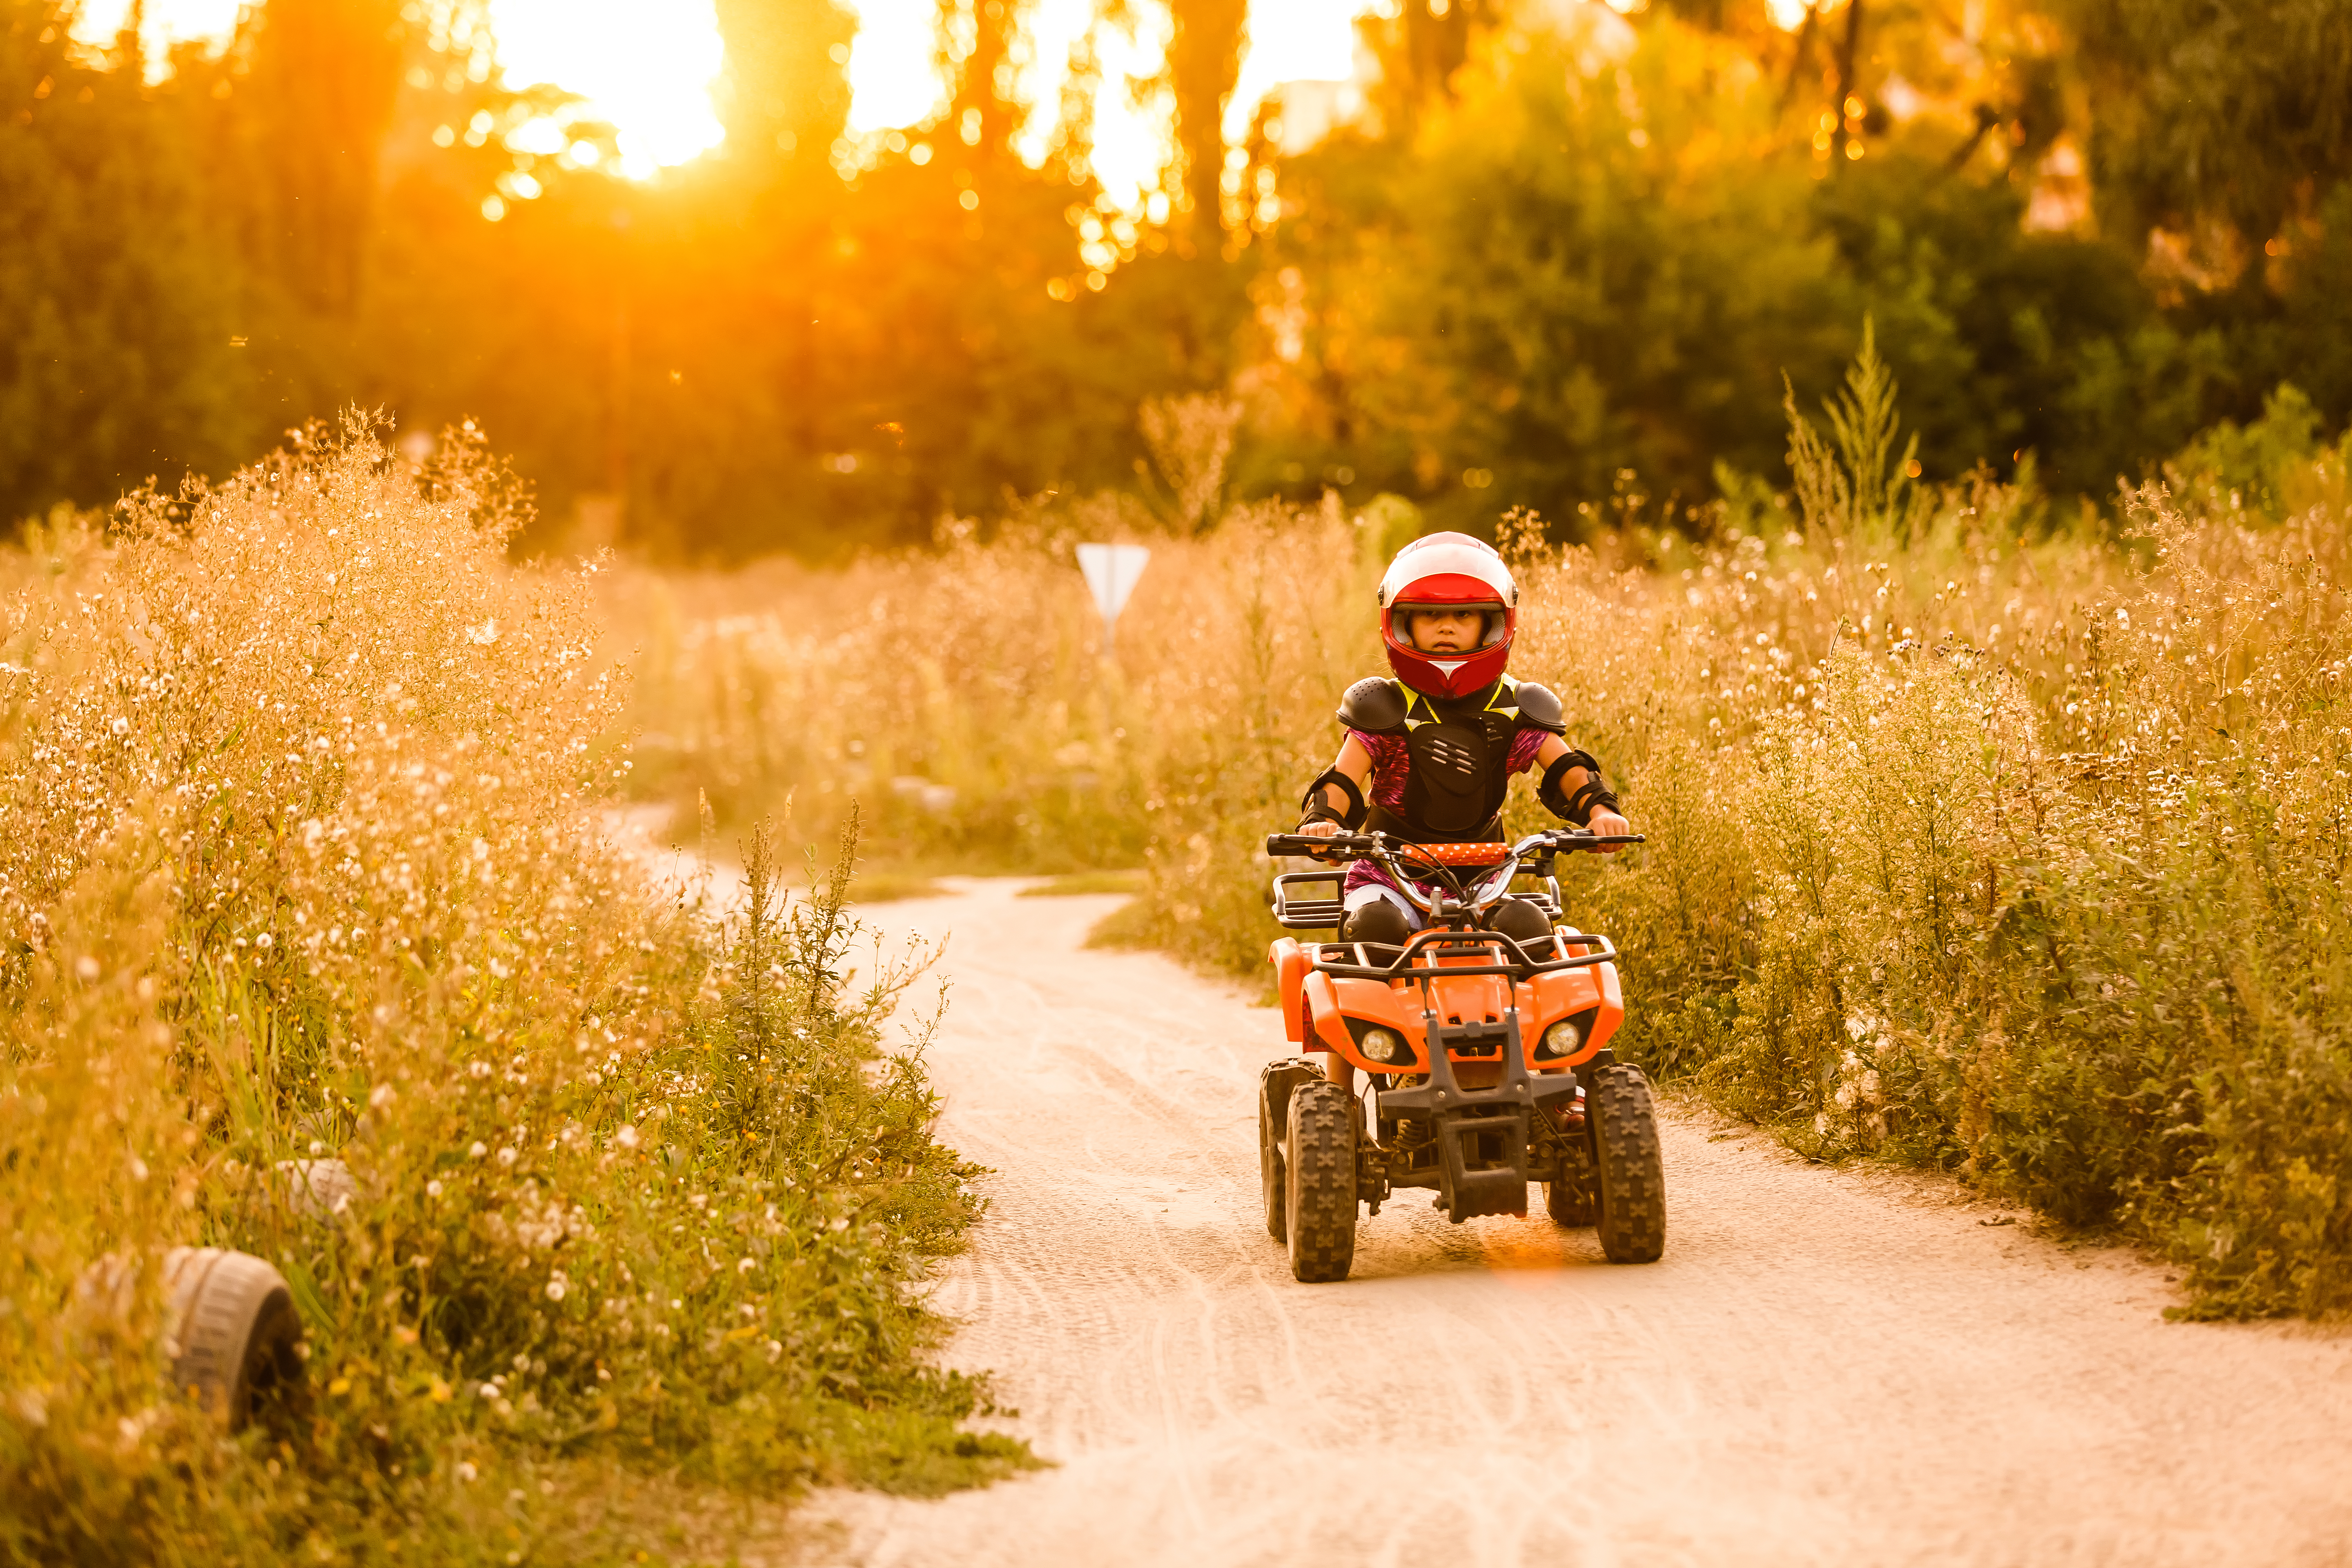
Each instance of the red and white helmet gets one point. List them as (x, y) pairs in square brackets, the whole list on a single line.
[(1451, 571)]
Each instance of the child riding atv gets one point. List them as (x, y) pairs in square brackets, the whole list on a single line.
[(1482, 1030), (1430, 753)]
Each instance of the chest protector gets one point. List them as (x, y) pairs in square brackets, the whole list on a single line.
[(1458, 751)]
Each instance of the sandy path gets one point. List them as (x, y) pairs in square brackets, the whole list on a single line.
[(1827, 1368)]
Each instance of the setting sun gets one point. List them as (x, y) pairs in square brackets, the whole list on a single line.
[(645, 66), (649, 68)]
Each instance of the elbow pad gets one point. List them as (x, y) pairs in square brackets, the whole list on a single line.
[(1315, 808), (1575, 809)]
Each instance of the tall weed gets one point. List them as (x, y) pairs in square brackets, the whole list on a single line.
[(304, 863), (1977, 839)]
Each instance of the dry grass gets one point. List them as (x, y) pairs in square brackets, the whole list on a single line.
[(1978, 839), (301, 863)]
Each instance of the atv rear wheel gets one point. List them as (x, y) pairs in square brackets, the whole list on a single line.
[(1568, 1199), (1631, 1177), (1270, 1177), (1320, 1211)]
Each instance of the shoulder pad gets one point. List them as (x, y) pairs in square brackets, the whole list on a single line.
[(1538, 708), (1373, 705)]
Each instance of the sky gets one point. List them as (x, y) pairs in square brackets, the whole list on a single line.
[(647, 65)]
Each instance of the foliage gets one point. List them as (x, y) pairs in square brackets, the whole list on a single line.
[(1587, 263), (118, 305), (2217, 112), (2010, 341), (1974, 842), (308, 866), (2265, 471), (1560, 248)]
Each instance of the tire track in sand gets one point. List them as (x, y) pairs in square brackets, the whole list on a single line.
[(1827, 1368)]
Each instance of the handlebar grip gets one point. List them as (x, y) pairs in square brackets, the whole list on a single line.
[(1278, 845)]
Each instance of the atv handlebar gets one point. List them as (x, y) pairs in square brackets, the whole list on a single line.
[(1493, 866), (1358, 846)]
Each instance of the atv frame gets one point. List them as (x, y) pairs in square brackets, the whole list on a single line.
[(1485, 1057)]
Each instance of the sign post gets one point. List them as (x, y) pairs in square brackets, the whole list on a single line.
[(1111, 572)]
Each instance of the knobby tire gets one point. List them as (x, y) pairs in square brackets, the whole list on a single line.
[(1320, 1212), (1630, 1174)]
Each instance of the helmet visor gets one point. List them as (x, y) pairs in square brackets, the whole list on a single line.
[(1493, 623)]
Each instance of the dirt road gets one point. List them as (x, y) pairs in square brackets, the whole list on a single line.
[(1828, 1367)]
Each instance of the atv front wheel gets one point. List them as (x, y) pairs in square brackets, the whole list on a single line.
[(1632, 1179), (1319, 1212)]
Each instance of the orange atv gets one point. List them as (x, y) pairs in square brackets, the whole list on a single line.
[(1487, 1058)]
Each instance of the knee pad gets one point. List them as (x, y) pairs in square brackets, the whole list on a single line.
[(1378, 921), (1521, 920)]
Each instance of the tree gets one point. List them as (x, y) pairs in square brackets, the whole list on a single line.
[(2240, 111), (322, 77), (120, 323), (1204, 62), (787, 95)]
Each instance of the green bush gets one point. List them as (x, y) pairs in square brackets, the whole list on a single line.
[(308, 864)]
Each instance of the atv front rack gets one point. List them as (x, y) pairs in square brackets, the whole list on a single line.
[(1294, 913), (1436, 941)]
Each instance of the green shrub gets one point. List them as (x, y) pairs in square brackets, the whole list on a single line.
[(1997, 846), (308, 863)]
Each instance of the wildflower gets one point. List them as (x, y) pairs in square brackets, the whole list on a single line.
[(478, 1151), (381, 1096), (433, 1189), (626, 1137), (505, 1156), (555, 1290), (465, 1470)]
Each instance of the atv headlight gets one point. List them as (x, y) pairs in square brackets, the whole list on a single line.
[(1382, 1045), (1562, 1040)]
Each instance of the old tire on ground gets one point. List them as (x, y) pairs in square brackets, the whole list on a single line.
[(1630, 1176), (1321, 1211), (234, 1338), (1271, 1136)]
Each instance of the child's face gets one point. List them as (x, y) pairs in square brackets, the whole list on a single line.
[(1445, 631)]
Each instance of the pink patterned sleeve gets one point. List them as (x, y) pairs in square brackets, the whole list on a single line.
[(1391, 760), (1523, 747)]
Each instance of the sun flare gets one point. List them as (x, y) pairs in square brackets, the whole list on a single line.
[(647, 68)]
